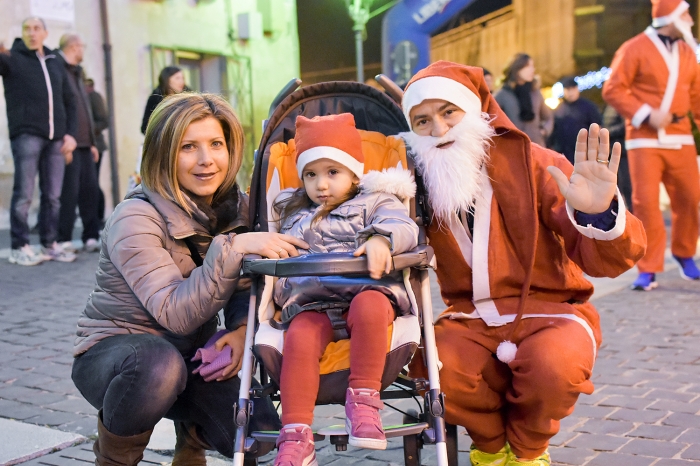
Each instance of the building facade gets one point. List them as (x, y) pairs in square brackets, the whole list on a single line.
[(246, 50)]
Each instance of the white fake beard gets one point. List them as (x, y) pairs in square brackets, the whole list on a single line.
[(687, 31), (452, 175)]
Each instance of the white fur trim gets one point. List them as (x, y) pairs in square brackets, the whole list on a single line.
[(394, 181), (594, 233), (668, 19), (641, 115), (506, 351), (333, 153), (438, 87)]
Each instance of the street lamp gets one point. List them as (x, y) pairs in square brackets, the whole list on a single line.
[(360, 13)]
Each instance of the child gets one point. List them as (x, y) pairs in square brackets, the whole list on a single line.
[(334, 212)]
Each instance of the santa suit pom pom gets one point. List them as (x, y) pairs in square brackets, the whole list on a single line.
[(506, 351)]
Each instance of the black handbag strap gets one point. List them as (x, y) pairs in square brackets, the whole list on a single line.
[(196, 257)]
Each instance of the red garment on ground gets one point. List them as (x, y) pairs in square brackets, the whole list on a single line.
[(310, 332)]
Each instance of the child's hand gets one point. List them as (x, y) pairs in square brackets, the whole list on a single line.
[(236, 340), (378, 253)]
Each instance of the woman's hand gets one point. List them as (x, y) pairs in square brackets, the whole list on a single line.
[(378, 253), (270, 245), (236, 340), (593, 184)]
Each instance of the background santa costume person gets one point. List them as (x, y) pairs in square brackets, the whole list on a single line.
[(514, 226), (655, 84)]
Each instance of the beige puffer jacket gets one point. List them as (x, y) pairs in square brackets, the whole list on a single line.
[(147, 281)]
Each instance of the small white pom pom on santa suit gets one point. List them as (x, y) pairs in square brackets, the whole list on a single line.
[(506, 351)]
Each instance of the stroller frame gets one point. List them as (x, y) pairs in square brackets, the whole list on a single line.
[(430, 427)]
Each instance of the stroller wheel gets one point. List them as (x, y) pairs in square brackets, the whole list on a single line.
[(412, 444), (452, 445)]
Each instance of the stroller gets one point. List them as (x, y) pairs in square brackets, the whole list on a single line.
[(377, 117)]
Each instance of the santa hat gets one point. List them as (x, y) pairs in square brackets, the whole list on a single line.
[(665, 12), (443, 80), (332, 137)]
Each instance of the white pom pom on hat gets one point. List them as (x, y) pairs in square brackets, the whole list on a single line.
[(506, 351)]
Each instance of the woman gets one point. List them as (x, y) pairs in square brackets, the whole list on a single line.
[(170, 81), (153, 306), (521, 100)]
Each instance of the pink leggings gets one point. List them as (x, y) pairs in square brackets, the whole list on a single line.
[(310, 332)]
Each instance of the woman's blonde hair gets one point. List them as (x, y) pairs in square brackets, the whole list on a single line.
[(164, 134)]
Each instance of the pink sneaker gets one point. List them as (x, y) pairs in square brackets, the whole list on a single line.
[(295, 447), (362, 421)]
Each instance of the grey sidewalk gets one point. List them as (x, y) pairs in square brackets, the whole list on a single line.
[(644, 410)]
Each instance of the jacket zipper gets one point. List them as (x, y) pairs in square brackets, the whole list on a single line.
[(42, 60)]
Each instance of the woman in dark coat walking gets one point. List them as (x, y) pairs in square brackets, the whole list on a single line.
[(170, 81)]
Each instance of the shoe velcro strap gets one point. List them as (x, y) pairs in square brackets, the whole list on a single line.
[(365, 400), (292, 437)]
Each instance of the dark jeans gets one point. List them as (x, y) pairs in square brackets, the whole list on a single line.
[(101, 195), (138, 379), (32, 154), (80, 188)]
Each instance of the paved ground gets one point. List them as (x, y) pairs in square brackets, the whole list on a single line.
[(644, 411)]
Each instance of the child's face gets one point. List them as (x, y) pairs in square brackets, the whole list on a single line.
[(327, 181)]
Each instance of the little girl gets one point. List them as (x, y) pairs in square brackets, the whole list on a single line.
[(335, 212)]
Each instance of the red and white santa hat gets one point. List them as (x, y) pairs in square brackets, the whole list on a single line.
[(444, 81), (332, 137), (665, 12)]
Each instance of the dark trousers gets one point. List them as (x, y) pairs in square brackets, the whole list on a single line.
[(100, 194), (80, 188), (624, 182), (31, 155), (136, 380)]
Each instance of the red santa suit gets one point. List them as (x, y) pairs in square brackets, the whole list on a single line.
[(526, 256), (646, 75)]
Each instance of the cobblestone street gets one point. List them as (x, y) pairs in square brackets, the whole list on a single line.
[(644, 410)]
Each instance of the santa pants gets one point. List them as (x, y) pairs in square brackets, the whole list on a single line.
[(310, 332), (522, 402), (678, 170)]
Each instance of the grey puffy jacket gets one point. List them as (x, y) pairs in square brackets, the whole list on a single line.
[(146, 279), (346, 228)]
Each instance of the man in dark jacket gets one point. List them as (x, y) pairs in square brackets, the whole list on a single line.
[(101, 119), (41, 117), (80, 185), (572, 115)]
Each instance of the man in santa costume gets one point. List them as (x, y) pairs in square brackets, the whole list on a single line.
[(514, 226), (655, 85)]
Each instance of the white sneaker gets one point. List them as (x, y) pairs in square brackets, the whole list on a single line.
[(57, 253), (92, 245), (68, 246), (25, 256)]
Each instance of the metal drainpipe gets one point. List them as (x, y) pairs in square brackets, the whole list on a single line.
[(109, 88)]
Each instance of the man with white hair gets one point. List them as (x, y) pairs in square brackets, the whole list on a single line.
[(655, 85), (514, 226)]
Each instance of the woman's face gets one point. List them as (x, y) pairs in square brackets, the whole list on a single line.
[(176, 82), (202, 162), (527, 74)]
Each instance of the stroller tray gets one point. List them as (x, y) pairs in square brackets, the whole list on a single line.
[(334, 263)]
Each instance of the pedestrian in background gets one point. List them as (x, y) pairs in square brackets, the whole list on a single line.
[(522, 101), (572, 115), (488, 77), (80, 186), (655, 84), (615, 124), (170, 81), (42, 123), (100, 119)]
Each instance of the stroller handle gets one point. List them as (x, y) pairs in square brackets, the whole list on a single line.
[(343, 263), (290, 87)]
